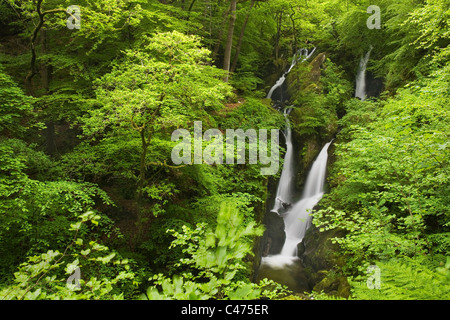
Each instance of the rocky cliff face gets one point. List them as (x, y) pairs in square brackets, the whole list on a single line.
[(320, 259), (274, 236), (313, 125)]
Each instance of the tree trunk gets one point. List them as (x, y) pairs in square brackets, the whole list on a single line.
[(190, 9), (45, 73), (241, 37), (142, 166), (229, 44), (219, 36), (294, 30), (278, 36), (33, 70)]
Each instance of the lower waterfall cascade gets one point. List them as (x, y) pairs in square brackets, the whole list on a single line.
[(295, 214)]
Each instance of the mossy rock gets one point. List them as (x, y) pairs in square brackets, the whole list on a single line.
[(274, 235), (334, 285), (320, 257), (306, 78), (319, 252), (313, 122)]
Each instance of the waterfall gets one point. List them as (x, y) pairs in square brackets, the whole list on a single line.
[(285, 184), (360, 91), (297, 56), (296, 216), (278, 84), (297, 219)]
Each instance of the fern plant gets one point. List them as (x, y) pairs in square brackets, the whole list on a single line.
[(407, 279)]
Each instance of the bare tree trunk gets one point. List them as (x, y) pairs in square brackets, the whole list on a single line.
[(33, 70), (219, 36), (294, 29), (45, 70), (241, 37), (229, 44), (278, 35), (45, 73), (190, 9)]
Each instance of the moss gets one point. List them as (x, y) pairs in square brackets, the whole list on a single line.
[(334, 284), (296, 296), (321, 258), (314, 122)]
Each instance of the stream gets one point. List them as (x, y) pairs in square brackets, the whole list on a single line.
[(286, 267)]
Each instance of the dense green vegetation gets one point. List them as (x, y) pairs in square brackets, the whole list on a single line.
[(87, 183), (390, 185)]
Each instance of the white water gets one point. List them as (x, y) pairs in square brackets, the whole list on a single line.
[(296, 217), (276, 85), (285, 185), (360, 91), (297, 56)]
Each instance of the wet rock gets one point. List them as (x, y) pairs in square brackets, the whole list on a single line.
[(290, 274), (274, 235), (334, 284), (321, 259)]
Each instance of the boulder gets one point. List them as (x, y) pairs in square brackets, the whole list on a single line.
[(274, 236), (291, 275), (321, 259)]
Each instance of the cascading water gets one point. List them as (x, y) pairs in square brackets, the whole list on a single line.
[(285, 186), (295, 216), (360, 91), (297, 219), (297, 56)]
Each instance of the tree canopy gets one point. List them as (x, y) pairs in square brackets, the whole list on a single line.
[(90, 96)]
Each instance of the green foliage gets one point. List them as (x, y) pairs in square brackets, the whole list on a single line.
[(415, 40), (15, 107), (214, 260), (178, 81), (407, 279), (206, 208), (202, 209), (143, 98), (336, 88), (30, 210), (250, 114), (112, 92), (390, 186), (393, 173), (319, 93), (46, 276), (323, 296)]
